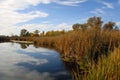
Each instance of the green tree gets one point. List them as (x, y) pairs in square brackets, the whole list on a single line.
[(36, 33), (23, 32), (94, 22), (109, 26), (27, 33), (76, 26)]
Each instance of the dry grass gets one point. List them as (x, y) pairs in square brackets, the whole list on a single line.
[(108, 68), (78, 45)]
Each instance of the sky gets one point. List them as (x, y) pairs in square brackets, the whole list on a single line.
[(46, 15)]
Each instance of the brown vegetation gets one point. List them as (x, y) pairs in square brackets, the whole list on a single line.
[(84, 43), (78, 44)]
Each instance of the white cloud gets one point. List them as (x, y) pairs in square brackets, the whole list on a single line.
[(108, 5), (70, 2), (46, 27), (8, 18), (98, 12), (31, 27), (20, 4), (118, 23), (62, 26), (10, 15)]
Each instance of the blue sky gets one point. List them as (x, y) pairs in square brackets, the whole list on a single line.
[(46, 15)]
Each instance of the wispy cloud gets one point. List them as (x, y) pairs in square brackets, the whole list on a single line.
[(108, 5), (70, 2), (98, 12), (9, 15), (46, 27)]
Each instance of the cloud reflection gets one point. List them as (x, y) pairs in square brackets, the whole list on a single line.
[(10, 60), (10, 71)]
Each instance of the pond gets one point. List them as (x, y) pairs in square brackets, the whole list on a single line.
[(25, 62)]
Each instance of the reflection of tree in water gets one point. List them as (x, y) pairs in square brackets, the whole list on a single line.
[(24, 46), (36, 44)]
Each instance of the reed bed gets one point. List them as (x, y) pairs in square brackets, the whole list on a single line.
[(108, 68), (79, 45)]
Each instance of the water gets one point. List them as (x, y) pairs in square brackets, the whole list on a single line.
[(25, 62)]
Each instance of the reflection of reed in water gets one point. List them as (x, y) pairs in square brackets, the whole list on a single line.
[(78, 73), (36, 45), (44, 44)]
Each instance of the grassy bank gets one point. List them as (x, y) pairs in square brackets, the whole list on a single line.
[(108, 68), (79, 45)]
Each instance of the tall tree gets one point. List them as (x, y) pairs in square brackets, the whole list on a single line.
[(95, 22), (28, 34), (76, 26), (36, 33), (109, 26), (23, 32)]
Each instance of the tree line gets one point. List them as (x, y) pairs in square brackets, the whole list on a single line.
[(96, 22), (36, 33), (93, 22)]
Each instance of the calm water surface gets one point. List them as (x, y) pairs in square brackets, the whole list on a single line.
[(23, 62)]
